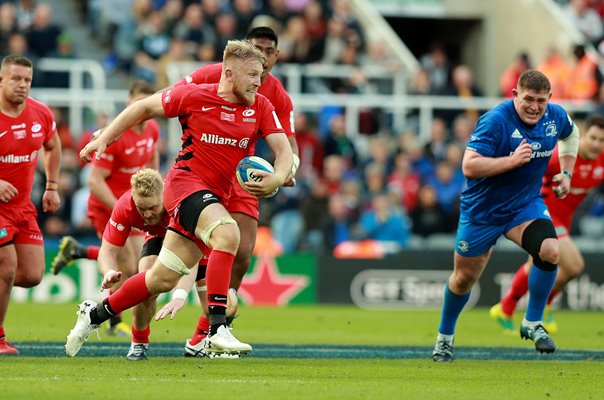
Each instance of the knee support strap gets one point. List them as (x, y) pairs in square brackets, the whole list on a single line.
[(532, 237), (172, 261), (207, 232)]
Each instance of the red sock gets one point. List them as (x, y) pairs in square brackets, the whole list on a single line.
[(517, 290), (92, 252), (1, 332), (133, 291), (218, 276), (552, 296), (201, 331), (141, 336)]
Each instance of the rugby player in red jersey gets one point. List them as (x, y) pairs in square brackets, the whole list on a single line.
[(587, 174), (219, 123), (243, 207), (26, 125), (109, 179)]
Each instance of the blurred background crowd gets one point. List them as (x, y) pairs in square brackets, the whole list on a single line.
[(381, 183)]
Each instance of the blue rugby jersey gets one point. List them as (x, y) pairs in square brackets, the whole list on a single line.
[(498, 133)]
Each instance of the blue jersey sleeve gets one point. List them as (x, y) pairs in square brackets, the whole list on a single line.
[(486, 137), (567, 124)]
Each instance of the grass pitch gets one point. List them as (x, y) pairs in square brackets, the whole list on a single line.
[(381, 354)]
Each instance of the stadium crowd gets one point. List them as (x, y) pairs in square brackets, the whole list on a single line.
[(375, 184)]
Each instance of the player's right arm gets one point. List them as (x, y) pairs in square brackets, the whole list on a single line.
[(97, 182), (107, 261), (136, 113), (476, 166)]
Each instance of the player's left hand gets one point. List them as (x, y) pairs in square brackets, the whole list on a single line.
[(111, 278), (563, 187), (267, 185), (174, 306), (51, 202)]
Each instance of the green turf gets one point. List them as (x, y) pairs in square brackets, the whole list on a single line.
[(316, 378)]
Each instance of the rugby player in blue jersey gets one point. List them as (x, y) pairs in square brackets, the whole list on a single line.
[(504, 163)]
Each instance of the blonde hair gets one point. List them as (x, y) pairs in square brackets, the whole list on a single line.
[(242, 50), (147, 182)]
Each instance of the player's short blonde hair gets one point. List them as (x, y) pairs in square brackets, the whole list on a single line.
[(242, 50), (147, 182)]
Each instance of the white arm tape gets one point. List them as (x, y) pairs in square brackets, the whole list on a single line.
[(295, 164), (180, 294), (570, 145)]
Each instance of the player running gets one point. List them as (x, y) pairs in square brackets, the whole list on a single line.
[(231, 117), (587, 174), (504, 163)]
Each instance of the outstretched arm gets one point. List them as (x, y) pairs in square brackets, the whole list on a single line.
[(136, 113)]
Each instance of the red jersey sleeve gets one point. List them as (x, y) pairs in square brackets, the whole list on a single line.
[(274, 91), (209, 73), (269, 123), (120, 224)]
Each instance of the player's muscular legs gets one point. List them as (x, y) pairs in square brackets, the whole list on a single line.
[(30, 269), (538, 238), (143, 312), (8, 269), (161, 278), (571, 263), (466, 272), (248, 227)]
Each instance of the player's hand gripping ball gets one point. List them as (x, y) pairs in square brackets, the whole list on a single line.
[(246, 171)]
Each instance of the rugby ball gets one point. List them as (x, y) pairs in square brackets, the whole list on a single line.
[(246, 171)]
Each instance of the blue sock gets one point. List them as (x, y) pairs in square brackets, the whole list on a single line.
[(452, 306), (540, 285)]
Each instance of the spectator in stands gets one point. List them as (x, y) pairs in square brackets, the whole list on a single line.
[(245, 12), (153, 42), (295, 44), (428, 217), (462, 86), (448, 187), (511, 74), (334, 169), (278, 10), (336, 228), (314, 212), (338, 143), (557, 70), (315, 26), (226, 29), (43, 34), (193, 30), (585, 19), (384, 222), (404, 180), (287, 222), (310, 148), (463, 126), (177, 52), (25, 10), (439, 139), (436, 62), (8, 25), (585, 77), (335, 40), (374, 180)]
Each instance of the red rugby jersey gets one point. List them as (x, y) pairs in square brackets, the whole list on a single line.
[(216, 133)]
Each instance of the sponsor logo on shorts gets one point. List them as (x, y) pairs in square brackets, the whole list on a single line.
[(36, 237), (463, 246), (3, 233)]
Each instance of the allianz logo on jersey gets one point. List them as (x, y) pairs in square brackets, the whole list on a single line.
[(213, 138), (15, 159)]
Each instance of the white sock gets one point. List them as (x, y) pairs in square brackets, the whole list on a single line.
[(446, 338), (530, 324)]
